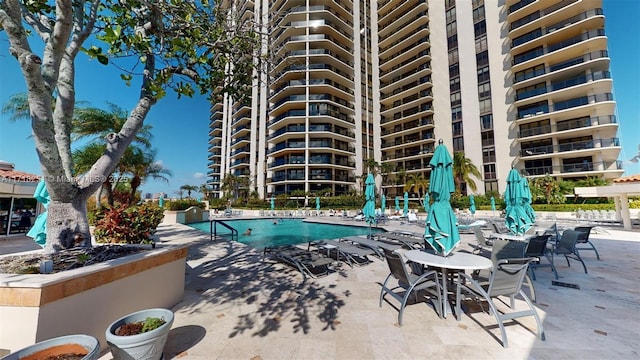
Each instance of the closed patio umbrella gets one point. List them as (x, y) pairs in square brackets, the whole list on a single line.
[(369, 210), (425, 203), (397, 204), (405, 209), (383, 203), (526, 200), (318, 203), (39, 229), (517, 220), (472, 205), (161, 201), (273, 203), (442, 231), (493, 204)]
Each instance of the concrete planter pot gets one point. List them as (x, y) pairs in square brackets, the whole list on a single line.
[(145, 346), (59, 346)]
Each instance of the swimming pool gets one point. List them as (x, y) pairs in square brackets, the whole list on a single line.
[(264, 233)]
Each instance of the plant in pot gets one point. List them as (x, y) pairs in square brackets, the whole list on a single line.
[(140, 335), (68, 347)]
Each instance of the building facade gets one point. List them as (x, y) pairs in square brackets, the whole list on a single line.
[(522, 84)]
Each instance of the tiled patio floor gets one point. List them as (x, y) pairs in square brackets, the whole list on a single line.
[(238, 306)]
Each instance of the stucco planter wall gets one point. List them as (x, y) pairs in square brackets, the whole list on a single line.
[(87, 300), (191, 215)]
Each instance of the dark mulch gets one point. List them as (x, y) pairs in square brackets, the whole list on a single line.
[(65, 259)]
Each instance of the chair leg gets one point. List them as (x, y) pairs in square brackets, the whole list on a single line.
[(583, 265), (384, 289), (594, 249), (535, 315), (532, 290)]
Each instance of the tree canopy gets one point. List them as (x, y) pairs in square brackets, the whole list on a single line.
[(186, 46)]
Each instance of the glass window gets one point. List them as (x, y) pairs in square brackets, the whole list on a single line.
[(451, 15), (456, 113), (483, 74), (451, 28), (458, 144), (454, 84), (486, 121), (485, 106), (455, 98), (484, 90), (457, 128)]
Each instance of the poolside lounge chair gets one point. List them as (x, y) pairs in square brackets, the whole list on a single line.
[(351, 254), (307, 262), (412, 218), (410, 283), (482, 243), (506, 279), (408, 240), (375, 245)]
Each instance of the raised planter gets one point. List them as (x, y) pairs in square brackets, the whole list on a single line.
[(86, 300), (145, 346), (59, 346)]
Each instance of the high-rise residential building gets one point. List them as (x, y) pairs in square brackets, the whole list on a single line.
[(522, 84)]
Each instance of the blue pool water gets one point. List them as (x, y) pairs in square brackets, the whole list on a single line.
[(264, 233)]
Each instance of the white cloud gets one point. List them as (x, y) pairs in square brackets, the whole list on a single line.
[(199, 175), (159, 162)]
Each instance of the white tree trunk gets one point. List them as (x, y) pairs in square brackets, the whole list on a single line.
[(67, 224)]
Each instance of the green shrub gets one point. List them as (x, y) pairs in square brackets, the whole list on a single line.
[(184, 204), (129, 225)]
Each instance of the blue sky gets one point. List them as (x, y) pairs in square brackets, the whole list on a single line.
[(180, 127)]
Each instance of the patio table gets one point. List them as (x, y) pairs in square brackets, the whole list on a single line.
[(457, 261)]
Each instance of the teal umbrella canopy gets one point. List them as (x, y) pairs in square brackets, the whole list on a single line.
[(397, 204), (39, 229), (369, 209), (273, 203), (318, 203), (517, 218), (472, 204), (405, 209), (161, 201), (425, 202), (441, 232), (493, 204), (383, 203), (526, 200)]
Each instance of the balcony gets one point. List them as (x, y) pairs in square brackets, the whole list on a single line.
[(571, 146), (521, 95), (574, 168), (525, 112)]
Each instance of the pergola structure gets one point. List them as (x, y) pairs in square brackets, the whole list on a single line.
[(620, 191), (13, 185)]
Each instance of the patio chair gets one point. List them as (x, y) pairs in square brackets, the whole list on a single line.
[(482, 243), (537, 248), (412, 218), (499, 229), (410, 283), (567, 247), (554, 232), (585, 231), (508, 249), (506, 279)]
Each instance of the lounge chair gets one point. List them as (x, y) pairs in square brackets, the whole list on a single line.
[(585, 231), (375, 245), (412, 218), (506, 279), (307, 262), (351, 254), (408, 240), (410, 283), (482, 243)]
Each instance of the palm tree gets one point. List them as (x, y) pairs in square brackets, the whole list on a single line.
[(230, 183), (97, 124), (206, 190), (417, 183), (463, 170), (141, 167), (189, 189)]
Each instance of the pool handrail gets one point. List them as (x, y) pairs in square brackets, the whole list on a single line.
[(213, 229)]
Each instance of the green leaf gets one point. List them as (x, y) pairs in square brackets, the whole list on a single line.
[(102, 59)]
